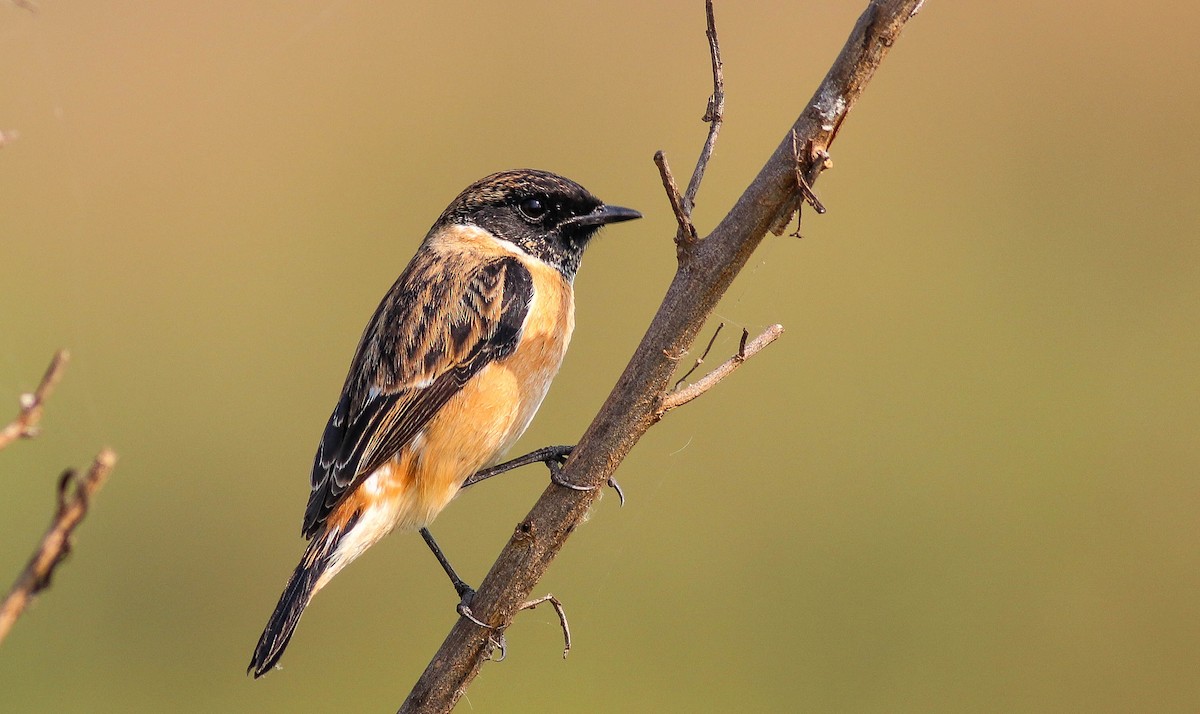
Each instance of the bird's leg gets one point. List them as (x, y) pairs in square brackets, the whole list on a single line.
[(553, 456), (545, 454), (465, 592)]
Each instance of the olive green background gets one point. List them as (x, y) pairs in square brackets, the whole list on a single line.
[(966, 479)]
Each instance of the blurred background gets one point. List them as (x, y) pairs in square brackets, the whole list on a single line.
[(966, 479)]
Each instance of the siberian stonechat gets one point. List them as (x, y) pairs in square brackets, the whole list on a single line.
[(448, 374)]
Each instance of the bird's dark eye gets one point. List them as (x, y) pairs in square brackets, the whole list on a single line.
[(532, 208)]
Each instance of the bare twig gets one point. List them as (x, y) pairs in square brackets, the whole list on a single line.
[(713, 114), (700, 359), (25, 426), (679, 397), (56, 543), (806, 189), (562, 617), (633, 405), (686, 234)]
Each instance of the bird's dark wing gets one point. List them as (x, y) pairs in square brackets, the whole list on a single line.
[(438, 326)]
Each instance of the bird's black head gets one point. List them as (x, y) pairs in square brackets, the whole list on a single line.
[(543, 214)]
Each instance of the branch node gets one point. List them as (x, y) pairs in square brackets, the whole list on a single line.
[(525, 530), (56, 543), (813, 162), (25, 425), (802, 181), (700, 361), (714, 111)]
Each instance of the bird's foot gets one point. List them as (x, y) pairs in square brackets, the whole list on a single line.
[(464, 608), (555, 466)]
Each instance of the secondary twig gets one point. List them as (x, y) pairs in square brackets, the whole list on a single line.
[(686, 233), (713, 113), (806, 189), (25, 426), (562, 617), (700, 359), (56, 543), (746, 350)]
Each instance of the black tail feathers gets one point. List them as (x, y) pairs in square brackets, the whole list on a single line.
[(296, 595)]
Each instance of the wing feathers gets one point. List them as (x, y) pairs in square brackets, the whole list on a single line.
[(435, 329)]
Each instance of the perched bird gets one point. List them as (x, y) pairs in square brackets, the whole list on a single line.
[(447, 375)]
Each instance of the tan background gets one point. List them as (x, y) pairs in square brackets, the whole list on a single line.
[(966, 479)]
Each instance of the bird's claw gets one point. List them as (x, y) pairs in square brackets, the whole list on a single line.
[(557, 478), (465, 611)]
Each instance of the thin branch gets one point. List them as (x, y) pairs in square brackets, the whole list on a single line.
[(633, 404), (805, 186), (807, 170), (56, 543), (25, 426), (562, 617), (713, 114), (701, 358), (686, 234), (678, 398)]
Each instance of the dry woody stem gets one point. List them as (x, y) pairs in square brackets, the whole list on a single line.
[(74, 495), (713, 114), (686, 234), (707, 268), (25, 426)]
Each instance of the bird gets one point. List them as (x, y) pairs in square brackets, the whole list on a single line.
[(448, 373)]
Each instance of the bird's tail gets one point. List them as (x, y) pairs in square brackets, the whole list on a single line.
[(299, 591)]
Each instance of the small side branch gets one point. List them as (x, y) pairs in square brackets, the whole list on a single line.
[(25, 426), (806, 189), (562, 617), (686, 234), (700, 360), (713, 114), (56, 544), (746, 350)]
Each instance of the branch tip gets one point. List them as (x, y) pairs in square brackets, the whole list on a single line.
[(562, 617), (71, 508), (685, 235), (25, 425)]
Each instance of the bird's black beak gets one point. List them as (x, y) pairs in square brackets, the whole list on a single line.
[(602, 216)]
